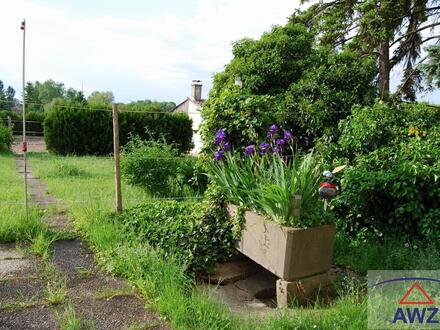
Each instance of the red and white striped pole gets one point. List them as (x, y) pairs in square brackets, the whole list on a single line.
[(24, 145)]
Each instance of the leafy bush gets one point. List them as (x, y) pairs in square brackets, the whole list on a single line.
[(70, 129), (156, 167), (395, 189), (369, 128), (392, 186), (287, 79), (5, 137), (198, 234), (267, 182)]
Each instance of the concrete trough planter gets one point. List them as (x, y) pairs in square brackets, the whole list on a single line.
[(295, 255)]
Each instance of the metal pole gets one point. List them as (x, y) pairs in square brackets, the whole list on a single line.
[(116, 157), (24, 145)]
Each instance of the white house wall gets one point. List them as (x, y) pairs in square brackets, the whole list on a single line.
[(194, 114)]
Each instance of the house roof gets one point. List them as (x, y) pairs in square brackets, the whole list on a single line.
[(189, 99)]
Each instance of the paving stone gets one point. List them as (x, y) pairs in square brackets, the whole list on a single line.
[(9, 251), (71, 255), (39, 318), (8, 267)]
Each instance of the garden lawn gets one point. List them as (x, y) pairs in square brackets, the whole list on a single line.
[(13, 224), (85, 184)]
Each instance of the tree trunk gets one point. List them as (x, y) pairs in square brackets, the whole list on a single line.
[(384, 69)]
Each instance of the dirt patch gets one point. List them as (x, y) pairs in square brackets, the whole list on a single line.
[(35, 144)]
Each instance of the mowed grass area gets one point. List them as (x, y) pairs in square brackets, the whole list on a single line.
[(86, 185), (13, 224)]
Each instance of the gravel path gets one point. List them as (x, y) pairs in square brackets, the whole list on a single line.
[(29, 285)]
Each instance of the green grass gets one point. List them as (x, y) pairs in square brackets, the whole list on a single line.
[(13, 224), (108, 294), (82, 182), (56, 288), (387, 254), (70, 321), (87, 190)]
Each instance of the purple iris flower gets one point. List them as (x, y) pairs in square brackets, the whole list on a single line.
[(226, 146), (218, 155), (250, 149), (279, 142), (287, 136), (272, 132), (264, 148), (278, 149), (274, 128), (219, 136)]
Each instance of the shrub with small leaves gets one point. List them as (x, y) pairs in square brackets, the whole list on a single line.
[(5, 137), (157, 167), (392, 185), (198, 233)]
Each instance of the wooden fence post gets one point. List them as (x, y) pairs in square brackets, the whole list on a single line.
[(116, 158)]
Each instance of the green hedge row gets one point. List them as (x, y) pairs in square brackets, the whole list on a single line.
[(34, 125), (86, 131)]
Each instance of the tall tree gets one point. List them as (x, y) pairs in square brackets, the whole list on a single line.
[(33, 101), (432, 68), (10, 97), (49, 90), (75, 96), (101, 98), (3, 103), (392, 30)]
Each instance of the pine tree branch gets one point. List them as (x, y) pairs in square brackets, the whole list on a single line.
[(410, 75), (413, 32), (417, 12), (430, 38)]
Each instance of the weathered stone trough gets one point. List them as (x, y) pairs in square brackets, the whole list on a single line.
[(301, 258)]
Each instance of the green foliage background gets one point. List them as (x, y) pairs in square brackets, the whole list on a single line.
[(392, 184)]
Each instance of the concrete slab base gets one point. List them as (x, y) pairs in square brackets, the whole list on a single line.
[(232, 271), (302, 291)]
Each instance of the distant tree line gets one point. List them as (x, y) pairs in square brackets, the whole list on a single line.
[(41, 96), (7, 97)]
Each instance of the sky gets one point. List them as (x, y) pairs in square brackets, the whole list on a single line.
[(138, 49)]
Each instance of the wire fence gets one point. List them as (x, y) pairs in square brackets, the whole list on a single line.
[(110, 200), (92, 108)]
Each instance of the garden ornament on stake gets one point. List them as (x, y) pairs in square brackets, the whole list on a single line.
[(327, 189)]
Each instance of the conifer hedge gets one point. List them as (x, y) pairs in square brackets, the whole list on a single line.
[(88, 131)]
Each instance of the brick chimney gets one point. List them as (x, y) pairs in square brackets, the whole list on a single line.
[(196, 90)]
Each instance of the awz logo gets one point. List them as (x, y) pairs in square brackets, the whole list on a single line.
[(413, 314)]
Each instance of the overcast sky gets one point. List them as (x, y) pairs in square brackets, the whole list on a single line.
[(139, 49)]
